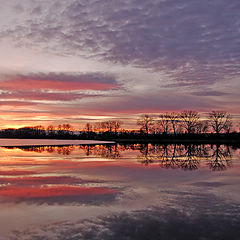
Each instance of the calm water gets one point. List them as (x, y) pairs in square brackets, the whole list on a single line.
[(120, 192)]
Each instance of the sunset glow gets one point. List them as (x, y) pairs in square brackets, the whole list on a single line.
[(59, 64)]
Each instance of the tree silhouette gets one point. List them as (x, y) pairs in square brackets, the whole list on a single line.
[(116, 125), (201, 127), (190, 119), (174, 120), (88, 127), (50, 130), (220, 121), (146, 122), (164, 123)]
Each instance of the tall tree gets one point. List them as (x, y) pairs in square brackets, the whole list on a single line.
[(116, 125), (174, 119), (190, 120), (164, 123), (108, 125), (50, 129), (202, 127), (219, 121), (88, 127), (97, 127), (146, 122)]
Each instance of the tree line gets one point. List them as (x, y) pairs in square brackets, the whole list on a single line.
[(166, 126), (188, 122)]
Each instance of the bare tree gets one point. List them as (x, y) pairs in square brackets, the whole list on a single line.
[(108, 125), (190, 119), (60, 128), (174, 119), (116, 125), (97, 127), (50, 129), (202, 127), (146, 122), (66, 127), (164, 123), (88, 127), (219, 121), (39, 129)]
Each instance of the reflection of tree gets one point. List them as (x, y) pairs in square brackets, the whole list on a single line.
[(190, 160), (145, 156), (187, 157), (105, 151), (170, 156), (169, 160), (63, 150), (221, 158)]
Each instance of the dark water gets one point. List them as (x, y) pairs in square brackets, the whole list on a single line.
[(120, 192)]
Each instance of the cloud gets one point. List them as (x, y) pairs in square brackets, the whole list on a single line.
[(208, 93), (193, 40), (41, 95), (150, 56), (164, 101), (16, 103), (59, 81), (44, 89)]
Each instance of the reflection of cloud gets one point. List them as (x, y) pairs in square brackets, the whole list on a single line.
[(209, 184), (58, 194), (196, 220), (45, 180)]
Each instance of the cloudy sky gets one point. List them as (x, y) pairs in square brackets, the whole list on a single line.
[(85, 60)]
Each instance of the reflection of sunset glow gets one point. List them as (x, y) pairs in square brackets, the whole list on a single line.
[(67, 171), (15, 172), (41, 192), (43, 180)]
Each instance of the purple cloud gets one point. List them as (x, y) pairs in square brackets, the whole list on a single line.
[(197, 41)]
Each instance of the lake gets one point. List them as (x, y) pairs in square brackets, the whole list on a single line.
[(112, 191)]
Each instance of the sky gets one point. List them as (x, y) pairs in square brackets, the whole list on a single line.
[(78, 61)]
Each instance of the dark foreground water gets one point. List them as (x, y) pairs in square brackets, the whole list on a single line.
[(120, 192)]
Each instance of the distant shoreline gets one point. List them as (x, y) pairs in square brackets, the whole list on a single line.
[(24, 142)]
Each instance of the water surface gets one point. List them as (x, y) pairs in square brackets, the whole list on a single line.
[(137, 191)]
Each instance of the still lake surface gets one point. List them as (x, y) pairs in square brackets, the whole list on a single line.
[(132, 191)]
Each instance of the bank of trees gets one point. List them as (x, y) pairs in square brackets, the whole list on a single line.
[(188, 122), (163, 127)]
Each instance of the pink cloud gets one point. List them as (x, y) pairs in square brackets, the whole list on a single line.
[(30, 84), (29, 193), (59, 81)]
